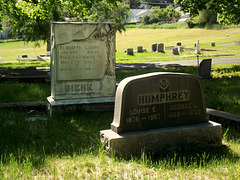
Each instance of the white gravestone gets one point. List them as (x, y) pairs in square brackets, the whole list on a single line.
[(82, 61)]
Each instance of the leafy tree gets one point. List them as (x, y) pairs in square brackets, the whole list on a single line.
[(134, 4), (228, 11), (160, 14), (105, 12), (32, 18)]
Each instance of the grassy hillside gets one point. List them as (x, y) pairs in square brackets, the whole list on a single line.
[(10, 50), (145, 37)]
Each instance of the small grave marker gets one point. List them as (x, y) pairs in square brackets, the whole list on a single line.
[(179, 44), (175, 51), (154, 47), (213, 44), (205, 68), (130, 51), (160, 47), (139, 49), (197, 51)]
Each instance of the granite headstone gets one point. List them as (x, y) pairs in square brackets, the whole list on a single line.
[(159, 111), (129, 51), (154, 47), (205, 68)]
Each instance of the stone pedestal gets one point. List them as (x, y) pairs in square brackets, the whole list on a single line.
[(162, 139), (86, 104)]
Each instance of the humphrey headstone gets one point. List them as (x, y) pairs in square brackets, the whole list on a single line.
[(159, 111), (129, 51), (154, 47), (160, 47), (205, 68), (82, 63)]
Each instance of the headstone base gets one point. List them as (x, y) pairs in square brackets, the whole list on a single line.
[(163, 139), (87, 104)]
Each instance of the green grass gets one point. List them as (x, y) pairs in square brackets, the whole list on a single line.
[(12, 49), (67, 146), (222, 91), (134, 37)]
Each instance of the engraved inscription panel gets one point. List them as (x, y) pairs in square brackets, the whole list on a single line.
[(158, 100), (81, 60)]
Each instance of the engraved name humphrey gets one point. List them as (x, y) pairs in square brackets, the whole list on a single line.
[(161, 102)]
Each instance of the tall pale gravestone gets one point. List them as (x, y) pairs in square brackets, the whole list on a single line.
[(82, 63), (159, 111)]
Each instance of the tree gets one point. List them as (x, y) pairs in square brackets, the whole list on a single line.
[(105, 12), (228, 11), (32, 18), (160, 14)]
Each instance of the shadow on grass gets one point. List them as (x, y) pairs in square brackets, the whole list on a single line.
[(60, 135)]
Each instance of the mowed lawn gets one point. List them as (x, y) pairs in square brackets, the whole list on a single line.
[(131, 38)]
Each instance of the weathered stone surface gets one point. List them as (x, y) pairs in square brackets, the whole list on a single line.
[(82, 60), (157, 100), (205, 68), (163, 139)]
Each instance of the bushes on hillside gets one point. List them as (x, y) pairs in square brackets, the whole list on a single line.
[(160, 15)]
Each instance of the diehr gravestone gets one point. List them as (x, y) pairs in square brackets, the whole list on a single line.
[(159, 111), (82, 64)]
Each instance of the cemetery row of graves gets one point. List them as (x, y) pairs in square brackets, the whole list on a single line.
[(154, 123)]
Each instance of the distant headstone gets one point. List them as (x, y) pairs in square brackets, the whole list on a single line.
[(212, 43), (154, 47), (197, 51), (205, 68), (130, 51), (159, 111), (237, 42), (180, 49), (140, 49), (160, 47), (179, 44), (1, 60), (82, 63), (175, 51)]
